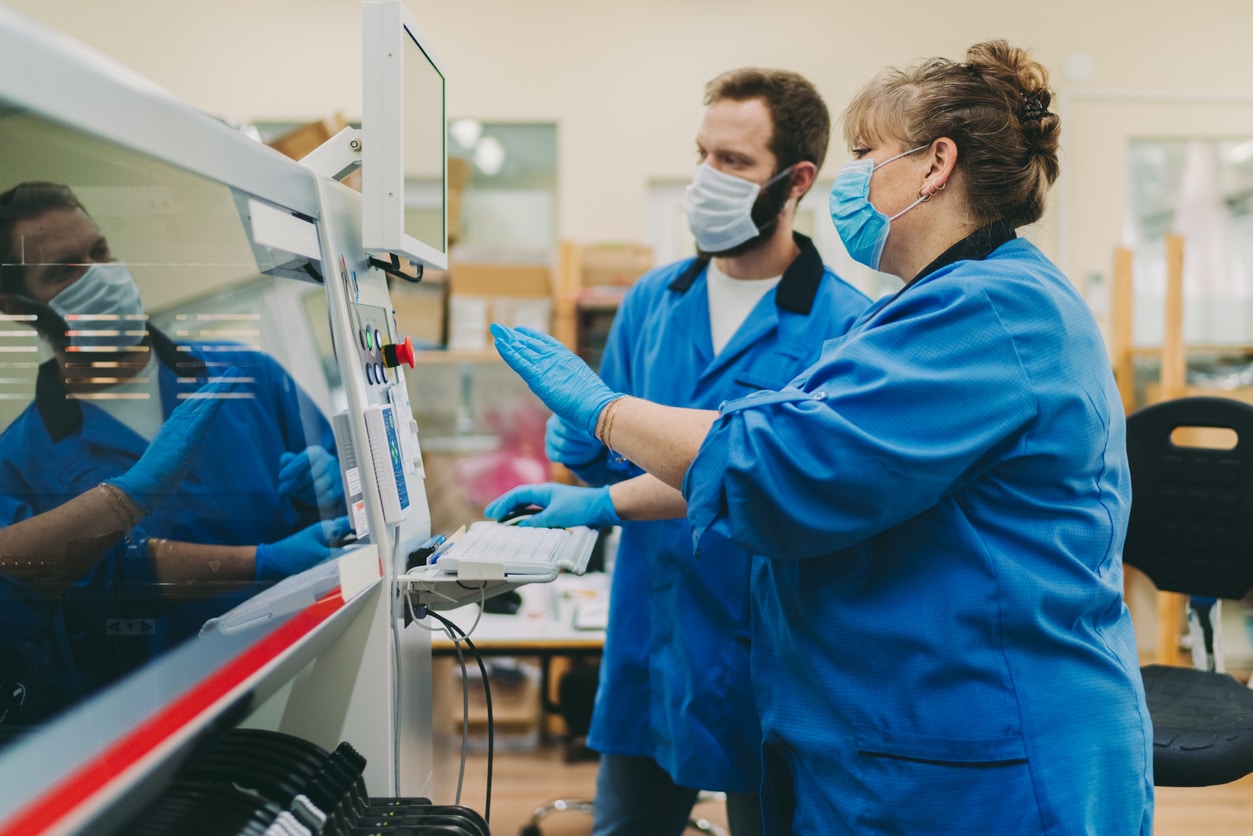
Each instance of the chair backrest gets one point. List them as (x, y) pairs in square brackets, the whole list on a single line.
[(1191, 527)]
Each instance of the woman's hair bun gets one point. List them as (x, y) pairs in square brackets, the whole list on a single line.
[(1025, 81)]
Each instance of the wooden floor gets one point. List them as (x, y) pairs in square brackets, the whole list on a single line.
[(1212, 811), (525, 779)]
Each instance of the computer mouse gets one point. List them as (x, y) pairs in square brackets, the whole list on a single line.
[(343, 540), (507, 603), (518, 513)]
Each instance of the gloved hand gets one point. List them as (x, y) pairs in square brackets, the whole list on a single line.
[(302, 550), (568, 445), (311, 476), (563, 506), (168, 458), (554, 373)]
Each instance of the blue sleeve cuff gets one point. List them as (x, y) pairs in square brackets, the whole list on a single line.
[(704, 486)]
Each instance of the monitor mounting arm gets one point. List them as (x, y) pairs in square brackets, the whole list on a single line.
[(338, 157)]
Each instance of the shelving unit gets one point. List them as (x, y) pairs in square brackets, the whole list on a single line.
[(430, 357), (583, 309)]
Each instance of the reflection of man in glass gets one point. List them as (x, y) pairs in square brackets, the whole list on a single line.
[(144, 470)]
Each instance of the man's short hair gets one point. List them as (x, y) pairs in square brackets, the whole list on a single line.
[(802, 124), (21, 203)]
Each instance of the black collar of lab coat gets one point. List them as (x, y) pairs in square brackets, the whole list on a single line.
[(795, 291), (976, 246)]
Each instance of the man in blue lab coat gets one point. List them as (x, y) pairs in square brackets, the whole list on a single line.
[(674, 711), (111, 496)]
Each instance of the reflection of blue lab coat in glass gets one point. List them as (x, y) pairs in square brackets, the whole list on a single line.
[(37, 677), (939, 640), (59, 448), (674, 676)]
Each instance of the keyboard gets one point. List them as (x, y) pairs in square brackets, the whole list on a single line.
[(493, 551)]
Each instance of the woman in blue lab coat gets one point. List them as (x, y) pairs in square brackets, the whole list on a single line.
[(938, 505)]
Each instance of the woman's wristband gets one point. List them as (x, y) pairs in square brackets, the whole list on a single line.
[(604, 428)]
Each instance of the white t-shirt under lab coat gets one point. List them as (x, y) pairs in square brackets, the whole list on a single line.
[(731, 301)]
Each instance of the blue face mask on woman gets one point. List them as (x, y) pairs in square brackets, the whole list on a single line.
[(863, 228)]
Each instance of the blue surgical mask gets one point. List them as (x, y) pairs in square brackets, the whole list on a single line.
[(719, 208), (102, 308), (863, 228)]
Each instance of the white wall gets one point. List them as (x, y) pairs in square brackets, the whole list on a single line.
[(623, 80)]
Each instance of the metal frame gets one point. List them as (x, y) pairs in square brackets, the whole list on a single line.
[(335, 663)]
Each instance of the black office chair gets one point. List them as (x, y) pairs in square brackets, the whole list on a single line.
[(1191, 532)]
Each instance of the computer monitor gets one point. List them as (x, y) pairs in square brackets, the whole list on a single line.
[(404, 169)]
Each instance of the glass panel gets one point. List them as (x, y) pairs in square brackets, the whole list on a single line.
[(424, 147), (142, 348), (508, 210), (1201, 189)]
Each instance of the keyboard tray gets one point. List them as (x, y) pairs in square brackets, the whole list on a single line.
[(488, 559)]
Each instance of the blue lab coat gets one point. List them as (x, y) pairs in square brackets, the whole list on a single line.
[(940, 643), (58, 448), (674, 677)]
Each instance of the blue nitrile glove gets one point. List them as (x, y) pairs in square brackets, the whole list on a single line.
[(566, 444), (168, 458), (555, 374), (311, 476), (563, 506), (302, 550)]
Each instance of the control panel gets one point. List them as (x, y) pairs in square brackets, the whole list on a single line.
[(373, 330), (389, 469), (390, 429)]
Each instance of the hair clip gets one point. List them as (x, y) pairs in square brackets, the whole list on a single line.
[(1032, 108)]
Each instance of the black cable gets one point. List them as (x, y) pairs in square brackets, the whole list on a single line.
[(487, 696)]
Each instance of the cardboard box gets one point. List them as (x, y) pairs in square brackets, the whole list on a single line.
[(614, 264), (454, 217), (422, 309), (459, 171), (483, 293), (304, 139), (505, 279)]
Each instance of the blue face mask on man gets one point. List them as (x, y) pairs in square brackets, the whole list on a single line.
[(863, 228), (102, 308)]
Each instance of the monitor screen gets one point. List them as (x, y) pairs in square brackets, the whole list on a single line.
[(403, 154)]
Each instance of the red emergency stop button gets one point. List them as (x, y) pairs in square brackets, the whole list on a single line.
[(396, 353)]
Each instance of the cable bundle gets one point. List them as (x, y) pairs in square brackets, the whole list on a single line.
[(254, 782)]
